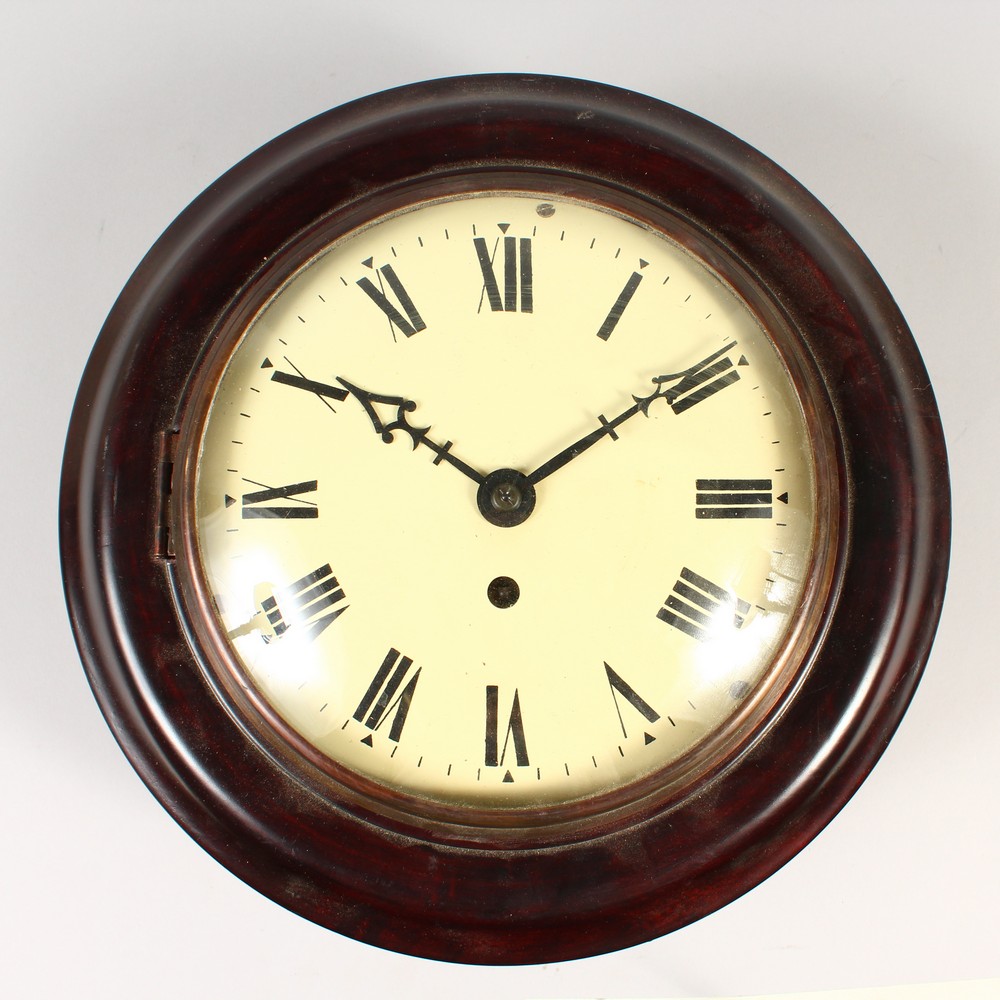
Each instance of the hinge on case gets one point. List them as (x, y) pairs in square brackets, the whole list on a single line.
[(166, 444)]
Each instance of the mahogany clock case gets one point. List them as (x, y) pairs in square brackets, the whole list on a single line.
[(529, 891)]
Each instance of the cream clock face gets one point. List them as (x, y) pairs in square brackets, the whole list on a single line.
[(504, 501)]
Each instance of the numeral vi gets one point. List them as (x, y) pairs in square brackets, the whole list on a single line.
[(513, 732)]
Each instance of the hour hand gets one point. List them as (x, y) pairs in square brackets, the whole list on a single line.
[(374, 402)]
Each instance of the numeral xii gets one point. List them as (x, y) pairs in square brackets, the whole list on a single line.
[(517, 273)]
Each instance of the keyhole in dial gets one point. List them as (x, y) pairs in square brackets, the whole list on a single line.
[(503, 592)]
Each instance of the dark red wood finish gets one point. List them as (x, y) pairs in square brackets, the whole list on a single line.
[(435, 889)]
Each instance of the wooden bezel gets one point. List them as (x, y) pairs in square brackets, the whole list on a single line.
[(428, 888)]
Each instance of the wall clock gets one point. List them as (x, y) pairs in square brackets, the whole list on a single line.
[(504, 519)]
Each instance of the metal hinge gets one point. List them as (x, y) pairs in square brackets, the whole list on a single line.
[(166, 445)]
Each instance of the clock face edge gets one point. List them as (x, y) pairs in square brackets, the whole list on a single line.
[(200, 603)]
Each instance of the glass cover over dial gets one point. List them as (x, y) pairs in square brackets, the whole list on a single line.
[(506, 500)]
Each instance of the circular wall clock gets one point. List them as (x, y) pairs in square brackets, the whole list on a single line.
[(504, 519)]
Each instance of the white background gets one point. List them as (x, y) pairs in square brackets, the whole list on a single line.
[(116, 114)]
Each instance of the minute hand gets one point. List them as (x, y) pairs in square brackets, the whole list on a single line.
[(607, 428), (686, 381)]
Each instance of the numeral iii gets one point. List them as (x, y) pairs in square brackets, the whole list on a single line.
[(733, 498)]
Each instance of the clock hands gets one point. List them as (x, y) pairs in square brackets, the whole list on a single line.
[(507, 496), (688, 383), (607, 429), (418, 435)]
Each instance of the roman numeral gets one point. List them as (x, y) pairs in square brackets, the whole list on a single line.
[(516, 273), (624, 297), (412, 322), (733, 498), (304, 605), (321, 389), (700, 608), (258, 504), (623, 688), (702, 380), (495, 756), (388, 696)]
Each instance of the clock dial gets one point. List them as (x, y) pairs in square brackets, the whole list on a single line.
[(507, 500)]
